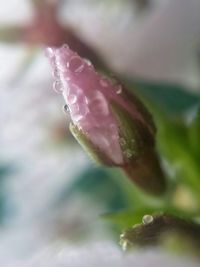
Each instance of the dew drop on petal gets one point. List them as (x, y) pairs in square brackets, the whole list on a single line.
[(128, 153), (60, 66), (103, 83), (98, 103), (83, 109), (88, 62), (49, 52), (77, 117), (56, 73), (76, 90), (66, 108), (57, 86), (65, 46), (80, 69), (75, 64), (122, 236), (119, 89), (72, 99), (124, 245), (147, 219)]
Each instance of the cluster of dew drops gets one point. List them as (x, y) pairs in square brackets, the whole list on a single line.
[(78, 66)]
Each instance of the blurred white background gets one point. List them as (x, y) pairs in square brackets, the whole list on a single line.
[(161, 44)]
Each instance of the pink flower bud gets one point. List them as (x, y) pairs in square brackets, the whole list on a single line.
[(106, 119)]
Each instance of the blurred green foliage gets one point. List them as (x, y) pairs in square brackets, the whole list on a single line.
[(176, 113), (5, 170), (98, 186), (172, 99)]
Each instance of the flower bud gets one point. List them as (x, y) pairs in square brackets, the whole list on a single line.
[(107, 120), (157, 230)]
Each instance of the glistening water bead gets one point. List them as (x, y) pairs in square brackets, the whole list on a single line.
[(88, 62), (56, 73), (75, 64), (57, 87), (119, 89), (147, 219), (72, 99), (66, 109), (128, 153), (49, 52)]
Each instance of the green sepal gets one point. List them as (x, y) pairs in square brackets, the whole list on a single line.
[(134, 137), (94, 152)]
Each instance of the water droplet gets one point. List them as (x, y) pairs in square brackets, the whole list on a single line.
[(119, 89), (56, 73), (103, 83), (124, 244), (65, 46), (57, 86), (128, 153), (122, 235), (122, 142), (77, 117), (49, 52), (66, 108), (72, 99), (83, 109), (75, 89), (80, 69), (98, 103), (75, 64), (60, 66), (88, 62), (147, 219)]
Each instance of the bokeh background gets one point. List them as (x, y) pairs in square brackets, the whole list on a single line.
[(52, 198)]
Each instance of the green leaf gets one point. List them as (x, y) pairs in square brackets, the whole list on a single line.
[(175, 146), (172, 99)]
